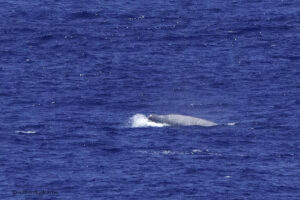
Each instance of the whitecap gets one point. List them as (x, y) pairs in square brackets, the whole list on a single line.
[(26, 132), (231, 124)]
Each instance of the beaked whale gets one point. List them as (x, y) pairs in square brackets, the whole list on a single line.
[(180, 120)]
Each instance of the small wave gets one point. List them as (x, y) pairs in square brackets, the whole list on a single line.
[(26, 132), (84, 15), (172, 152), (140, 120)]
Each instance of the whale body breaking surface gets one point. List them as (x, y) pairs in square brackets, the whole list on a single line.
[(154, 120), (180, 120)]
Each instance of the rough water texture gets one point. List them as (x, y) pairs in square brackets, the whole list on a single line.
[(73, 73)]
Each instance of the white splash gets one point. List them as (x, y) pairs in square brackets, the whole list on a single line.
[(26, 132), (231, 124), (140, 120), (196, 151)]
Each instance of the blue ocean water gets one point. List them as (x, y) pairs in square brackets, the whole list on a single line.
[(75, 74)]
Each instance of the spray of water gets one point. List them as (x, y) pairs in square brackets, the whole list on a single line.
[(140, 120)]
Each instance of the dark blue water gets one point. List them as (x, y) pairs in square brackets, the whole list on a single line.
[(73, 73)]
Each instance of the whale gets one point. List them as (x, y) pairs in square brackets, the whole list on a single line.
[(180, 120)]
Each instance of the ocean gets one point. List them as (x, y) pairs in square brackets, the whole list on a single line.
[(78, 80)]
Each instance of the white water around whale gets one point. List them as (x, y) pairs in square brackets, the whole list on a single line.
[(140, 120)]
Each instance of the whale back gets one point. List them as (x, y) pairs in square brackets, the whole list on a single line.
[(180, 120)]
